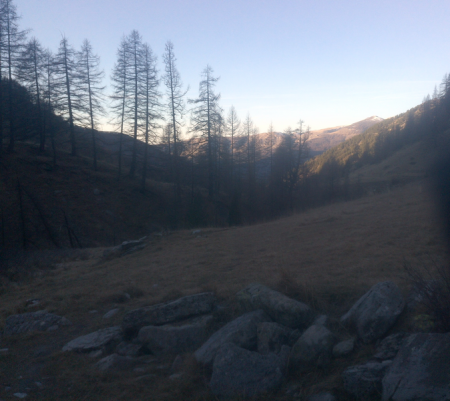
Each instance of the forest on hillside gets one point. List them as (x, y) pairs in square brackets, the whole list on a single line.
[(219, 176)]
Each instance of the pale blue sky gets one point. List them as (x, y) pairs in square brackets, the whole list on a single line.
[(327, 62)]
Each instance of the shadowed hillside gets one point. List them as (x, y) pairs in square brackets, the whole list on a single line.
[(327, 258)]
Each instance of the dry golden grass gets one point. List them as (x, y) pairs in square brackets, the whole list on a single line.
[(327, 257)]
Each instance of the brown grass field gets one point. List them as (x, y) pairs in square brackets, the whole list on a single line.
[(326, 257)]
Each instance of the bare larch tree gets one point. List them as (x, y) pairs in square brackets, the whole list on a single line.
[(233, 124), (119, 79), (176, 109), (149, 111), (67, 102), (205, 112), (90, 90), (31, 72), (11, 43)]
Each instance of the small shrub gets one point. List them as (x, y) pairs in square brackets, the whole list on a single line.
[(433, 287)]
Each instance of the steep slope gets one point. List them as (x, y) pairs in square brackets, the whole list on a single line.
[(72, 205), (321, 140)]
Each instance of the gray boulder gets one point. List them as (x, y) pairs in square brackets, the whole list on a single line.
[(129, 349), (239, 372), (376, 311), (157, 315), (389, 346), (33, 321), (364, 381), (279, 307), (271, 337), (115, 362), (344, 348), (111, 313), (313, 348), (421, 370), (322, 397), (241, 332), (96, 340), (161, 340), (321, 319)]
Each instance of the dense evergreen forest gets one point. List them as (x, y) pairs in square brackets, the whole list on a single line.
[(54, 103)]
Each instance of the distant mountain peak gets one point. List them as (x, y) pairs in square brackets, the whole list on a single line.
[(321, 140)]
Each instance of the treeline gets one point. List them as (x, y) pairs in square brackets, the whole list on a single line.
[(64, 92), (428, 122), (223, 173)]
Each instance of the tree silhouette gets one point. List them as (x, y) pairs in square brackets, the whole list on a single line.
[(11, 43), (119, 79), (67, 101), (31, 70), (135, 54), (205, 113), (49, 93), (90, 91), (233, 124), (176, 107), (150, 110)]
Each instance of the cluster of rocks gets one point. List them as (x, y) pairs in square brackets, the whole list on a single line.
[(275, 335), (406, 366)]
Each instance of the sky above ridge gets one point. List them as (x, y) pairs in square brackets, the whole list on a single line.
[(326, 62)]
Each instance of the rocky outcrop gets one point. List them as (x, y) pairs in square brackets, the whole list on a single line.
[(421, 370), (389, 346), (98, 339), (364, 381), (129, 349), (344, 348), (160, 314), (240, 372), (322, 397), (376, 311), (33, 321), (313, 348), (161, 340), (279, 307), (241, 332)]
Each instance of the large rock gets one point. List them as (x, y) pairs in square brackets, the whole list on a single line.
[(167, 339), (96, 340), (322, 397), (271, 337), (344, 348), (364, 381), (389, 346), (421, 370), (129, 349), (242, 373), (157, 315), (279, 307), (313, 348), (33, 321), (376, 311), (241, 332)]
